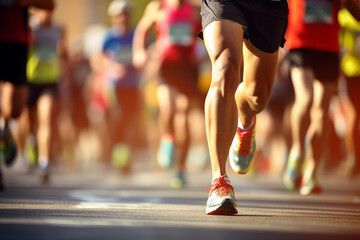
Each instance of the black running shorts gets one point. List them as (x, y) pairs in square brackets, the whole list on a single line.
[(37, 90), (13, 60), (264, 21), (325, 65)]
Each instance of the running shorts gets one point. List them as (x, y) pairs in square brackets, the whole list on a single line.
[(37, 90), (183, 77), (325, 65), (264, 21), (13, 59)]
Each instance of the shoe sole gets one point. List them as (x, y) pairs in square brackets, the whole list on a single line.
[(226, 208)]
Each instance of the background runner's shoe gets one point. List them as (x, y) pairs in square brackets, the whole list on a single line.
[(7, 147), (44, 173), (178, 181), (292, 175), (221, 199), (165, 155), (242, 150), (310, 187), (121, 157), (1, 181)]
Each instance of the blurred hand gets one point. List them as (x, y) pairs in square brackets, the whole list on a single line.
[(140, 58)]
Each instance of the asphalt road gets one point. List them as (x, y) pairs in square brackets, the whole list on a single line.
[(104, 204)]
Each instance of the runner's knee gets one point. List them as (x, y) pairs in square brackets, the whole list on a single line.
[(227, 77)]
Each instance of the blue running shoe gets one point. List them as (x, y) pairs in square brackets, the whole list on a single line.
[(8, 148), (221, 199), (242, 150), (165, 154)]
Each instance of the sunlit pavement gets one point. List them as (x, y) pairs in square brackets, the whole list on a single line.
[(105, 204)]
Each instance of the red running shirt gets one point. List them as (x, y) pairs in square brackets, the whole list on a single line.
[(14, 25), (313, 24), (176, 33)]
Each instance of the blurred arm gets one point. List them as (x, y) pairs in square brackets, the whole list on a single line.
[(63, 55), (141, 32), (65, 83), (62, 45)]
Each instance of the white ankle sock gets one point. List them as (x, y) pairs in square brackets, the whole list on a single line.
[(227, 179), (43, 162), (242, 127)]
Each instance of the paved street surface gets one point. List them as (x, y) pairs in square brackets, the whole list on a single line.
[(104, 204)]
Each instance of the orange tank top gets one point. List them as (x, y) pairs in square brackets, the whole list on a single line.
[(313, 24)]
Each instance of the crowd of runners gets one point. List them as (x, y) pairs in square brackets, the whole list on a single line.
[(186, 81)]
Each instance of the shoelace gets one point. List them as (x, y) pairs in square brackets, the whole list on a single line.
[(220, 186), (245, 141)]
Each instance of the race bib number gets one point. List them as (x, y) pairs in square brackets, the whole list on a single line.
[(318, 11), (124, 55), (181, 34)]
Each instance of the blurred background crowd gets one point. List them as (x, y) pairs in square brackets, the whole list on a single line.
[(92, 106)]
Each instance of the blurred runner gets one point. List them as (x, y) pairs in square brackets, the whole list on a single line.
[(274, 133), (14, 38), (242, 39), (48, 56), (312, 39), (350, 65), (121, 86), (176, 23)]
